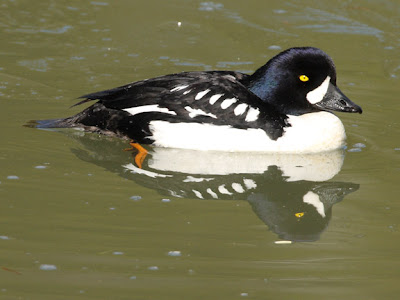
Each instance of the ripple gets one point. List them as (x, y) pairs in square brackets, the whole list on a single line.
[(46, 267), (174, 253)]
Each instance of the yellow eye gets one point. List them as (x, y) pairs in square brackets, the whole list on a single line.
[(304, 78)]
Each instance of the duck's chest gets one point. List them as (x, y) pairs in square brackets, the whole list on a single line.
[(313, 132)]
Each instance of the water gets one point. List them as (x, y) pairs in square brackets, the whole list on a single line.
[(79, 220)]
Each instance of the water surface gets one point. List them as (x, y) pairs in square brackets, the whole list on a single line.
[(78, 220)]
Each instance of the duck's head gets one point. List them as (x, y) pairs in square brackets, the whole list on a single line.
[(299, 81)]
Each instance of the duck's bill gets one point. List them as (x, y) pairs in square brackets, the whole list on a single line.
[(335, 100)]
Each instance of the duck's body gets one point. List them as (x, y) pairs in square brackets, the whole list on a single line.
[(283, 107)]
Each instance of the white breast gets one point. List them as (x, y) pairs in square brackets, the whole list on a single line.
[(309, 133)]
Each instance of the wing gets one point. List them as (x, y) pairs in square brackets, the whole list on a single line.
[(216, 97)]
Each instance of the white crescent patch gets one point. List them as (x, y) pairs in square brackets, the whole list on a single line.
[(318, 93)]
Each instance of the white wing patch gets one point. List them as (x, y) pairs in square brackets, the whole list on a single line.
[(249, 183), (148, 108), (198, 112), (201, 94), (237, 187), (212, 193), (178, 88), (228, 102), (214, 98), (252, 114), (318, 93), (222, 189), (198, 194), (240, 109)]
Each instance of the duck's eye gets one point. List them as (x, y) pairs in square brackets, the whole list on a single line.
[(304, 78)]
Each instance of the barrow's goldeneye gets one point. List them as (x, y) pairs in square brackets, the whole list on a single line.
[(285, 106)]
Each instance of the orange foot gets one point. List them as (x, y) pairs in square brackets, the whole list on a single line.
[(141, 153)]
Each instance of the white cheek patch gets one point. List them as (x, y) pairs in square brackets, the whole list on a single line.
[(318, 94), (313, 199)]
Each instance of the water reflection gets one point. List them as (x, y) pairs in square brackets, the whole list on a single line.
[(289, 193)]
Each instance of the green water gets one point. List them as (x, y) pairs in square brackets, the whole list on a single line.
[(79, 221)]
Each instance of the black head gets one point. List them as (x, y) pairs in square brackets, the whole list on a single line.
[(299, 81)]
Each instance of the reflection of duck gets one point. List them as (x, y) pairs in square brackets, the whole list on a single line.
[(283, 107), (287, 192), (299, 211)]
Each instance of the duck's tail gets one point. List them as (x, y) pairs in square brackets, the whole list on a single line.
[(52, 123), (96, 118), (91, 116)]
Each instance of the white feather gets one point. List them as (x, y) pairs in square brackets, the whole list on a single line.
[(228, 102), (252, 114), (222, 189), (198, 112), (178, 88), (237, 187), (240, 109), (198, 194), (148, 108), (249, 183), (201, 94), (214, 98), (213, 194)]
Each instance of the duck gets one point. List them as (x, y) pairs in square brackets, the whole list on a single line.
[(285, 106)]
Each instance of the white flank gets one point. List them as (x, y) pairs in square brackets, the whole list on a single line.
[(308, 133), (222, 189), (318, 93), (178, 88), (148, 108), (201, 94), (198, 194), (240, 109), (214, 98), (186, 92), (252, 114), (237, 187), (198, 112), (249, 184), (313, 199), (228, 102), (214, 195)]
